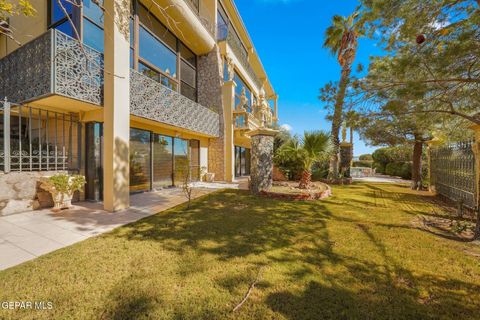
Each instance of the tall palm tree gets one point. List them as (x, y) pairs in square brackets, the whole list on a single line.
[(307, 150), (341, 40)]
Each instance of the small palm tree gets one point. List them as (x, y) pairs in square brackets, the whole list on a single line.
[(307, 151), (341, 40)]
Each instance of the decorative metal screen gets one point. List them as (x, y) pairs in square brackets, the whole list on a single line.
[(53, 63), (453, 172)]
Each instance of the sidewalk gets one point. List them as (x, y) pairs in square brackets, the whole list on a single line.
[(25, 236)]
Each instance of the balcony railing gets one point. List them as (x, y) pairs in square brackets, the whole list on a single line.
[(149, 99), (245, 121), (226, 33), (53, 63)]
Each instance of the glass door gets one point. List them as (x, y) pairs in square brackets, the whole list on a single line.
[(180, 147), (94, 161), (162, 161), (140, 160)]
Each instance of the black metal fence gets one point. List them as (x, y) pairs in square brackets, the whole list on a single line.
[(34, 139), (453, 173)]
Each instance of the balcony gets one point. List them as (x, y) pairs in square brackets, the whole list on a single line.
[(200, 11), (151, 100), (52, 64), (226, 33), (245, 121)]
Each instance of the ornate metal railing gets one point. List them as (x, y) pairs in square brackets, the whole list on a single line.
[(33, 139), (151, 100), (53, 63), (226, 33), (453, 173)]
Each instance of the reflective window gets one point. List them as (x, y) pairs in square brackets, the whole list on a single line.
[(157, 53), (181, 160), (238, 90), (92, 35), (93, 11), (162, 161), (156, 27), (140, 166), (57, 13), (157, 76)]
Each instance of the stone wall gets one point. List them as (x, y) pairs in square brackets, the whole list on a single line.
[(261, 163), (210, 81), (20, 192)]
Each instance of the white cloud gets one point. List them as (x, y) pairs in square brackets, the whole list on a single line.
[(286, 126)]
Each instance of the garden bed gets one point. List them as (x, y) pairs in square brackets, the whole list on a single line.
[(290, 191)]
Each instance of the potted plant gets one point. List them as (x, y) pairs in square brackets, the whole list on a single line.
[(62, 187)]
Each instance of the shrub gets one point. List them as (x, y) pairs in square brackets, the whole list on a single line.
[(363, 163), (367, 157), (399, 169)]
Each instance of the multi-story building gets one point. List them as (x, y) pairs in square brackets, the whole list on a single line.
[(129, 92)]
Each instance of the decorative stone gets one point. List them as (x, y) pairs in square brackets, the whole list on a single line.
[(262, 160)]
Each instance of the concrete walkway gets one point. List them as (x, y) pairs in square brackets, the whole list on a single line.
[(381, 178), (25, 236)]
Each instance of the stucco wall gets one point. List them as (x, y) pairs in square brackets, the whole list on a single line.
[(210, 82)]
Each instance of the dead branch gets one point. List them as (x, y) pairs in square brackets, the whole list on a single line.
[(250, 289)]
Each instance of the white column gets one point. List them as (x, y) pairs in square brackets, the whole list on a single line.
[(116, 105)]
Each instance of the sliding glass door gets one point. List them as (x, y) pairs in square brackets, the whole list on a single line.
[(162, 161), (242, 161), (140, 160)]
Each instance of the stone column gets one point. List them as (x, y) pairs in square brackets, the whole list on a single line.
[(262, 159), (116, 105), (228, 92)]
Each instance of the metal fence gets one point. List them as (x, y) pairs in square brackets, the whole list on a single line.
[(453, 173), (34, 139)]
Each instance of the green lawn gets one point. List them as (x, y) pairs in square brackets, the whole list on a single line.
[(356, 255)]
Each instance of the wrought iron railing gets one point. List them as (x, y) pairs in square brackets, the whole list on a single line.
[(151, 100), (53, 63), (34, 139), (453, 173), (226, 33)]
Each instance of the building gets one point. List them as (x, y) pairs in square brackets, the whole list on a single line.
[(135, 96)]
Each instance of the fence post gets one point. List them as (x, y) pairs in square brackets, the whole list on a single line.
[(430, 145), (476, 152), (6, 136)]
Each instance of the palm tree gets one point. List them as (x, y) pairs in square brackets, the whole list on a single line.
[(341, 40), (306, 151)]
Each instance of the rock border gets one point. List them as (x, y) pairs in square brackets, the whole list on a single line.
[(299, 197)]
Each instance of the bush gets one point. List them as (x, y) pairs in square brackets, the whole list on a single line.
[(399, 169), (363, 163), (320, 170), (367, 157)]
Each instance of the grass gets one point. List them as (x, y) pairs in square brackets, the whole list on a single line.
[(356, 255)]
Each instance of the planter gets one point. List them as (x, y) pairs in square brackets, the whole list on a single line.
[(306, 195), (209, 177), (62, 187)]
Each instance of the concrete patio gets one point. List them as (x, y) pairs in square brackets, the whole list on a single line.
[(25, 236)]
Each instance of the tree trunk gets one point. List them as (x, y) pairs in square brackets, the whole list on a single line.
[(337, 121), (476, 235), (417, 165), (351, 135), (306, 180)]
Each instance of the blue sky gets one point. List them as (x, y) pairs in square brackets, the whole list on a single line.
[(288, 35)]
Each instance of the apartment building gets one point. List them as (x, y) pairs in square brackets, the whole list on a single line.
[(134, 94)]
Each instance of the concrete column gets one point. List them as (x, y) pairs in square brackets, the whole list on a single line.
[(261, 171), (228, 92), (116, 105)]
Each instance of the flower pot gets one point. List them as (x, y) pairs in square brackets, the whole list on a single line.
[(61, 201)]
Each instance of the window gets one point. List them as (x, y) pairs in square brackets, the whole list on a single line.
[(223, 22), (140, 157), (157, 76), (162, 161), (93, 25), (58, 19), (156, 53), (238, 91)]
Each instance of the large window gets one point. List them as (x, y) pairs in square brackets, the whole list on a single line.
[(140, 157), (160, 52), (93, 25), (238, 91), (242, 161), (57, 17), (162, 161)]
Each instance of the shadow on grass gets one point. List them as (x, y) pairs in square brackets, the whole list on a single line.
[(234, 224)]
